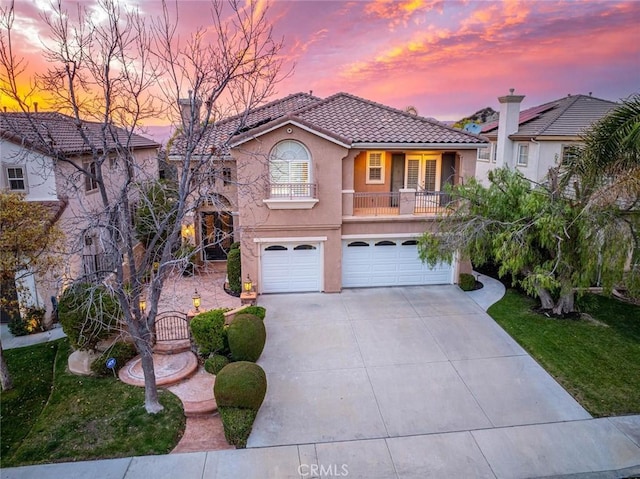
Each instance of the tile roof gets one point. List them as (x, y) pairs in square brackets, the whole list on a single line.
[(347, 118), (47, 130), (568, 116)]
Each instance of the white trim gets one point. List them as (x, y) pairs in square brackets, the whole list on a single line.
[(294, 123), (294, 239), (368, 168), (382, 235), (290, 204), (419, 146), (348, 191)]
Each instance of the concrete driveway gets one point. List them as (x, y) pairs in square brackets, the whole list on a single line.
[(395, 362)]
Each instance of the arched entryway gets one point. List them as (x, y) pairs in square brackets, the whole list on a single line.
[(216, 228)]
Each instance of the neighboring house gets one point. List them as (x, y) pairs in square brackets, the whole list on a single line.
[(330, 193), (537, 139), (37, 156)]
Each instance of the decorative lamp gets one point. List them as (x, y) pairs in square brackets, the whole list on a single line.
[(248, 285), (196, 301), (142, 304)]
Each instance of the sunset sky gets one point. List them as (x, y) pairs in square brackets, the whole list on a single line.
[(446, 58)]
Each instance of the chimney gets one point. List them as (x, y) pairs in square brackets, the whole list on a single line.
[(507, 125), (187, 106)]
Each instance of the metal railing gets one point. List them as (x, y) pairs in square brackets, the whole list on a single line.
[(374, 204), (292, 190), (431, 202), (172, 326)]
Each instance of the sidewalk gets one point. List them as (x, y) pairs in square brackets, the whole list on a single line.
[(594, 448)]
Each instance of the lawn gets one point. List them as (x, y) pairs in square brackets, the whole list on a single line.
[(597, 360), (55, 416)]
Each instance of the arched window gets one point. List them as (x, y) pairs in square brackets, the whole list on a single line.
[(290, 170)]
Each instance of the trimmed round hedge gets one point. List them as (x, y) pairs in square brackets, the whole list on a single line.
[(242, 384), (215, 363), (246, 336), (208, 331), (258, 311)]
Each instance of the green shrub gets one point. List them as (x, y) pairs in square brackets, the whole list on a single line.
[(234, 270), (467, 282), (258, 311), (208, 330), (215, 363), (88, 314), (237, 424), (234, 245), (246, 335), (121, 351), (242, 385), (31, 322)]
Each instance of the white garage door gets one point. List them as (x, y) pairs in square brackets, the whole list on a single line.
[(291, 267), (388, 262)]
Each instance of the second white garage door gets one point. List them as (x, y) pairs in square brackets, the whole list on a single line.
[(291, 267), (388, 262)]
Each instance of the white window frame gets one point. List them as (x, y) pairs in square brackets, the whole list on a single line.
[(486, 153), (522, 160), (23, 178), (90, 184), (377, 167), (494, 151), (302, 168)]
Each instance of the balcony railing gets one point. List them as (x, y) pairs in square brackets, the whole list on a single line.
[(374, 204), (292, 190), (431, 202)]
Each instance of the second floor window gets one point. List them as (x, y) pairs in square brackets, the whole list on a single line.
[(16, 178), (90, 181), (290, 170), (523, 154), (375, 168)]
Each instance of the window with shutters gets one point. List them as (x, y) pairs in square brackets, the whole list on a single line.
[(375, 168), (290, 170)]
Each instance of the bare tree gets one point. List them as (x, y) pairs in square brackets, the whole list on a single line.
[(119, 72)]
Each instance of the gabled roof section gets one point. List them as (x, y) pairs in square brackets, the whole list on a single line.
[(367, 122), (570, 116), (343, 118), (218, 134), (50, 131)]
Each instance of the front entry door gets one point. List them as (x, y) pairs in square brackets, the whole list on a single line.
[(217, 234)]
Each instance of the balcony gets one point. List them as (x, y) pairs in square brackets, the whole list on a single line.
[(404, 202), (291, 196)]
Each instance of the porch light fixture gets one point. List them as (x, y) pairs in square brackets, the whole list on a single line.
[(142, 304), (196, 301), (248, 285)]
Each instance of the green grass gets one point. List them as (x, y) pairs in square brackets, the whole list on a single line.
[(598, 362), (84, 418)]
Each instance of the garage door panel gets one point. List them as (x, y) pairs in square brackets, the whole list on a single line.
[(289, 268), (389, 263)]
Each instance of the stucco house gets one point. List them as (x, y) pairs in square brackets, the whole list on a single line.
[(38, 152), (330, 193), (538, 138)]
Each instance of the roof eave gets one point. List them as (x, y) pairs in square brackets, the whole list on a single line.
[(419, 146), (288, 120)]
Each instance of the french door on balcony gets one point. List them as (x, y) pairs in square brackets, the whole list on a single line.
[(423, 171)]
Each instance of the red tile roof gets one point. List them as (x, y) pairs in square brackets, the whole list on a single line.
[(50, 131), (348, 119)]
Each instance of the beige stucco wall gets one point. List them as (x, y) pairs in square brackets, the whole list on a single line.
[(256, 220)]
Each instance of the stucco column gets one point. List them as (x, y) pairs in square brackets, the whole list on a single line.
[(407, 201), (347, 202)]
